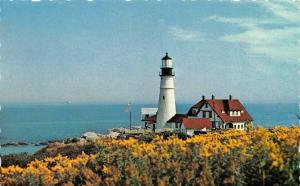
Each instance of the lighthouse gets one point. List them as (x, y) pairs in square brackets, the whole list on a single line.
[(166, 104)]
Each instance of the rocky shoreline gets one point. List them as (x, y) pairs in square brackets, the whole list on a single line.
[(72, 147), (21, 143), (87, 136)]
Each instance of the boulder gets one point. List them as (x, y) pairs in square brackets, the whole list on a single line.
[(113, 135), (136, 127), (102, 136), (118, 130), (43, 143), (9, 144), (72, 140), (22, 143), (90, 136)]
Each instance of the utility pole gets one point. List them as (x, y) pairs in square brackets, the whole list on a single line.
[(128, 109), (130, 120)]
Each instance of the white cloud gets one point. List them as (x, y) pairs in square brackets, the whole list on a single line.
[(275, 36), (287, 10), (186, 35)]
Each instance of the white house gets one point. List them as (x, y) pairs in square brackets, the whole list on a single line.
[(223, 113), (210, 114)]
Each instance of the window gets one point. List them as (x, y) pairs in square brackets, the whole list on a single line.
[(238, 126), (242, 126), (234, 126), (194, 110), (206, 114), (163, 97), (206, 105)]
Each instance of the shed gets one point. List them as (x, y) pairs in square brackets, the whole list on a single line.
[(194, 125)]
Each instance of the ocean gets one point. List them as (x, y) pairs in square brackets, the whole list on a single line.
[(33, 123)]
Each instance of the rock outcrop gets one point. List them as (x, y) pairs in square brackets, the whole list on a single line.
[(90, 136)]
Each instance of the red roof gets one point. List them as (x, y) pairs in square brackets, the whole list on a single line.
[(225, 105), (196, 123), (177, 118)]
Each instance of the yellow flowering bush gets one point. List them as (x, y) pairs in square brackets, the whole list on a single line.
[(253, 157)]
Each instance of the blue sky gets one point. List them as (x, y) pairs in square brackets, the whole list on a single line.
[(110, 51)]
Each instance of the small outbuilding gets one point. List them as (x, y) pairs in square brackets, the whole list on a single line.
[(194, 126), (148, 116)]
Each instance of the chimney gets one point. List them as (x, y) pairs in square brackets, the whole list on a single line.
[(230, 97), (212, 97), (203, 97)]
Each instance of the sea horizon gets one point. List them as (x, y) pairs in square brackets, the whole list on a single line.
[(33, 123), (130, 101)]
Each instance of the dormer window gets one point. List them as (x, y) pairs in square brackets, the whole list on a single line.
[(194, 110), (223, 111), (233, 113)]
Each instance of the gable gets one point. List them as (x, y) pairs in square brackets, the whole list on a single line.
[(205, 107), (197, 106)]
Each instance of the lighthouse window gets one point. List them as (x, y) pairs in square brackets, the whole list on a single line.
[(163, 97)]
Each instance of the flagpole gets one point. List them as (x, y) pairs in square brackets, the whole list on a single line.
[(128, 109), (130, 120)]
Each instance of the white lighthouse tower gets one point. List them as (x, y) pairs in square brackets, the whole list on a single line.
[(166, 104)]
